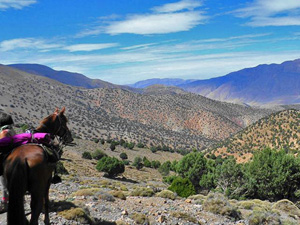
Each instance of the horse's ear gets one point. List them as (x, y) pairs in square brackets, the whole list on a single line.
[(62, 110), (56, 111)]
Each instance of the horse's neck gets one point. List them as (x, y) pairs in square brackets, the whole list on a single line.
[(43, 128)]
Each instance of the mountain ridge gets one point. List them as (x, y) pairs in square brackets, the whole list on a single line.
[(264, 84), (164, 117)]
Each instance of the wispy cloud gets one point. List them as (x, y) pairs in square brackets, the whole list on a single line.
[(168, 18), (271, 13), (42, 45), (89, 47), (156, 23), (16, 4), (178, 6), (26, 43)]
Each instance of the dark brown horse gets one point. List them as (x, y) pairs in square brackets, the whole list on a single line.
[(27, 169)]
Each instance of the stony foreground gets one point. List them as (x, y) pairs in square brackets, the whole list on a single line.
[(139, 197)]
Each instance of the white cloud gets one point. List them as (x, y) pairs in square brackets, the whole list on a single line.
[(156, 23), (26, 43), (168, 18), (16, 4), (178, 6), (89, 47), (271, 13)]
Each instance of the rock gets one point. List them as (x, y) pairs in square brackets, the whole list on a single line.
[(188, 200), (125, 213), (161, 219)]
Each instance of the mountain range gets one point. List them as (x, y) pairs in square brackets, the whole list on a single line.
[(264, 84), (158, 115), (65, 77)]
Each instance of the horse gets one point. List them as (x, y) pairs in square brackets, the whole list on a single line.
[(27, 169)]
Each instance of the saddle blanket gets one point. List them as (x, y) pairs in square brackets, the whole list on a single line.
[(21, 139)]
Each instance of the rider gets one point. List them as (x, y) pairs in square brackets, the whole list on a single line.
[(6, 130)]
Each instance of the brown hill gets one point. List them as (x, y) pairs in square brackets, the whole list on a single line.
[(279, 130), (177, 119)]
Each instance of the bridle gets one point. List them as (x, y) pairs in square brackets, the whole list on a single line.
[(61, 138)]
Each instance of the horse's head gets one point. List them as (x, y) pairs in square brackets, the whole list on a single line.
[(56, 124)]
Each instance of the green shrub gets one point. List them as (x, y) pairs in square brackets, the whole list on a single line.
[(147, 163), (272, 175), (164, 169), (169, 179), (98, 154), (111, 166), (112, 146), (183, 187), (137, 163), (155, 164), (153, 149), (123, 156), (87, 155), (140, 145), (192, 166)]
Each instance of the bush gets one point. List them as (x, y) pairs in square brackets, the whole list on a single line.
[(272, 175), (183, 187), (111, 166), (112, 146), (137, 163), (153, 149), (123, 156), (192, 166), (140, 145), (166, 194), (98, 154), (87, 155), (143, 191), (147, 163), (155, 164), (169, 179), (218, 204), (164, 169)]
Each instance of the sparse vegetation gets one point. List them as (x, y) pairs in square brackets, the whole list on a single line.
[(111, 166)]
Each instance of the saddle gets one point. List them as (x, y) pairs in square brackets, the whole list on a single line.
[(8, 144)]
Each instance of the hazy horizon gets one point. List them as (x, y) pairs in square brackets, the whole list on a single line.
[(125, 42)]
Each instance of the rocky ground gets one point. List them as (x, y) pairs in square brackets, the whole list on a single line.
[(139, 197)]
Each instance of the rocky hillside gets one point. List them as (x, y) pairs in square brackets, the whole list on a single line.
[(279, 130), (65, 77), (158, 116), (140, 197)]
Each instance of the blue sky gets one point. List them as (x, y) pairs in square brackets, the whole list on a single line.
[(124, 41)]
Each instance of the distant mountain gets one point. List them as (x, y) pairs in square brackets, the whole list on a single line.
[(65, 77), (275, 84), (165, 81), (264, 84), (279, 130), (158, 116)]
